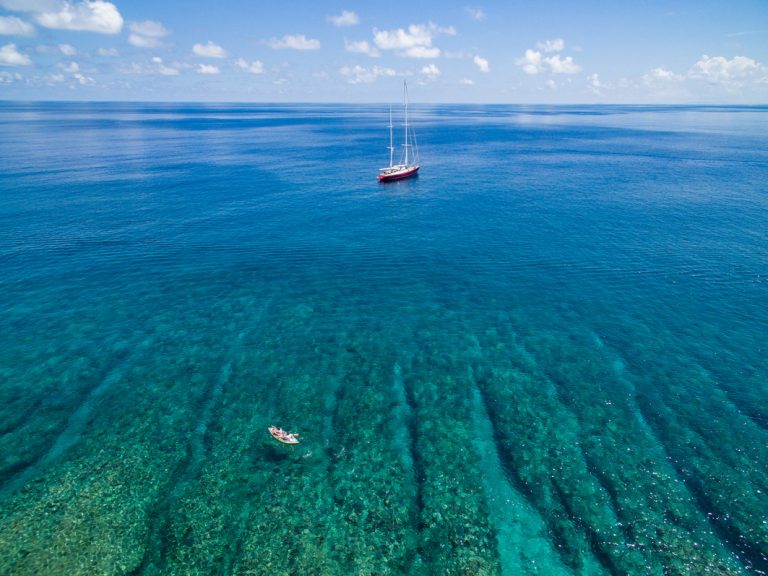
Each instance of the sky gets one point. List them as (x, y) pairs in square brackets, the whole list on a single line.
[(547, 52)]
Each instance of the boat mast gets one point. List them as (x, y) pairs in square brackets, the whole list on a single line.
[(391, 146), (405, 138)]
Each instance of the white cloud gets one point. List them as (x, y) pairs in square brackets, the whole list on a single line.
[(87, 16), (475, 13), (422, 52), (147, 34), (594, 84), (163, 69), (13, 26), (562, 66), (8, 78), (467, 82), (447, 30), (431, 70), (417, 35), (455, 54), (144, 41), (720, 70), (661, 74), (531, 62), (534, 63), (109, 52), (346, 18), (293, 42), (74, 69), (67, 49), (149, 28), (158, 67), (209, 50), (482, 63), (416, 42), (255, 67), (207, 69), (361, 47), (551, 84), (361, 75), (664, 74), (9, 56), (83, 80), (555, 45)]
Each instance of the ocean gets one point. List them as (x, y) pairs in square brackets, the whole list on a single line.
[(546, 354)]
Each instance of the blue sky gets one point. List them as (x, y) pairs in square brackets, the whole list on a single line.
[(644, 51)]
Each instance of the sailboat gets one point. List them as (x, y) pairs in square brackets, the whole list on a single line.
[(409, 161)]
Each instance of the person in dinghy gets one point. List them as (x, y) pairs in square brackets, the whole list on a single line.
[(283, 436)]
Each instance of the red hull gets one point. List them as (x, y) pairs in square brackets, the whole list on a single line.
[(398, 176)]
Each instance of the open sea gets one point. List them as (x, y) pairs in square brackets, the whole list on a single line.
[(547, 354)]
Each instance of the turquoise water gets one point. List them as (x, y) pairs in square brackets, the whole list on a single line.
[(544, 355)]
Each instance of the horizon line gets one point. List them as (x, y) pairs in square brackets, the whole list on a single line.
[(381, 103)]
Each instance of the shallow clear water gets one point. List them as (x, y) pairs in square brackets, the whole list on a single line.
[(544, 355)]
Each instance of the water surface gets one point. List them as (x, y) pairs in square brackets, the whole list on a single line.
[(544, 355)]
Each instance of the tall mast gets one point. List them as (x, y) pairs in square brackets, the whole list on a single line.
[(391, 146), (405, 135)]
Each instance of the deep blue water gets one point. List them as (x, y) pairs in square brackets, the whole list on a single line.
[(544, 355)]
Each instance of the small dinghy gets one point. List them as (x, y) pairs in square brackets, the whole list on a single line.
[(282, 436)]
